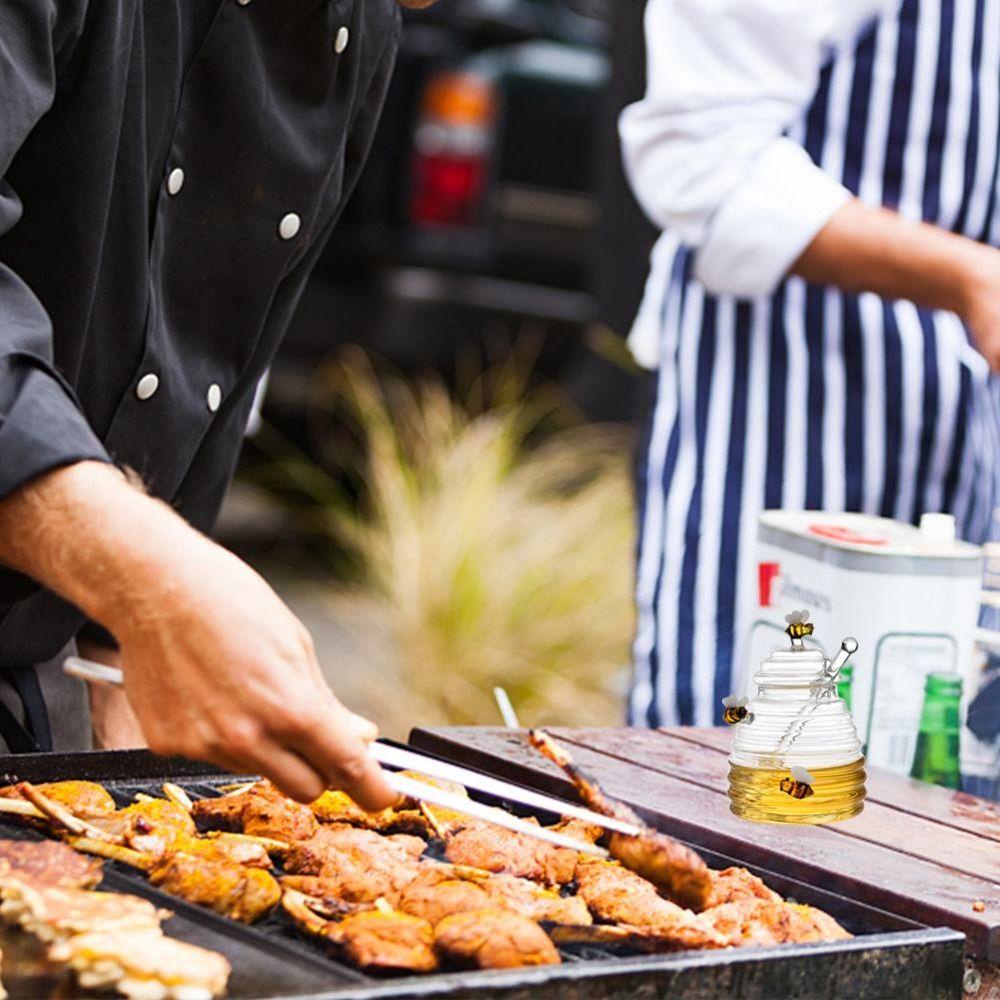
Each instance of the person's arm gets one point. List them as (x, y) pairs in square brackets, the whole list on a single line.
[(216, 667), (706, 149), (865, 249)]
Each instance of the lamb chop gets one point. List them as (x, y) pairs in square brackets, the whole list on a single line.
[(676, 870), (156, 828), (144, 965), (47, 862), (379, 940), (82, 798), (245, 894), (493, 939), (238, 891)]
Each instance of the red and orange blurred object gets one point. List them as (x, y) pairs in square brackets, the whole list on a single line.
[(452, 150)]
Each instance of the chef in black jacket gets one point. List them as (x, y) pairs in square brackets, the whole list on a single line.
[(169, 172)]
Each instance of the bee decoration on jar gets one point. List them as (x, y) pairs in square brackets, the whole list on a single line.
[(735, 710), (799, 627), (799, 785)]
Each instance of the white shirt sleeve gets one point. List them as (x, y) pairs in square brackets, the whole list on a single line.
[(705, 149)]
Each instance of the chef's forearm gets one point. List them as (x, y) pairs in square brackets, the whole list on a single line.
[(93, 538), (864, 249)]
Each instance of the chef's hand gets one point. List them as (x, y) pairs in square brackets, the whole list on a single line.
[(216, 667)]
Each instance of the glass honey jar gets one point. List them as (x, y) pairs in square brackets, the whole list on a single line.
[(796, 755)]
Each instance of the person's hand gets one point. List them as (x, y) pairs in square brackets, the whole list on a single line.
[(218, 669), (982, 309), (112, 719)]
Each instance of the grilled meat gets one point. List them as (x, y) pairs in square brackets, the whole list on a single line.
[(356, 865), (528, 898), (620, 896), (733, 884), (354, 881), (754, 921), (339, 807), (52, 913), (493, 939), (82, 798), (274, 815), (245, 894), (47, 862), (331, 843), (385, 941), (145, 965), (674, 869), (261, 811), (229, 847), (494, 849), (152, 825), (222, 813), (375, 940), (436, 893)]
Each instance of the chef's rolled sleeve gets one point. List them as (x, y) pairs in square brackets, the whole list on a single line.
[(707, 149)]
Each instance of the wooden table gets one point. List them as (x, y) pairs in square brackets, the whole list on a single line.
[(917, 850)]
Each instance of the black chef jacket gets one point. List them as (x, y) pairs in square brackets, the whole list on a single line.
[(169, 172)]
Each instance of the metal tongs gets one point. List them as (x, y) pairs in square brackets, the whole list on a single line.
[(412, 788)]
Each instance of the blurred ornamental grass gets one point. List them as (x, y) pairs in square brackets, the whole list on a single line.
[(491, 538)]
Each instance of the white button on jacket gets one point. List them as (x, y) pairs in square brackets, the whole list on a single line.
[(175, 181), (214, 397), (289, 226), (147, 386), (340, 42)]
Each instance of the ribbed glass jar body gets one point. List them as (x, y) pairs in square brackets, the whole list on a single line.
[(798, 721)]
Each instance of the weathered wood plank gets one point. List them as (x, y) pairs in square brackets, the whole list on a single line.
[(930, 892), (942, 805)]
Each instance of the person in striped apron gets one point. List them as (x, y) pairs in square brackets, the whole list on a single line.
[(823, 307)]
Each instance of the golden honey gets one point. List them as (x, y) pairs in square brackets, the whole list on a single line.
[(838, 793)]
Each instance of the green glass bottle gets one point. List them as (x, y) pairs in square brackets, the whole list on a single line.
[(844, 683), (937, 755)]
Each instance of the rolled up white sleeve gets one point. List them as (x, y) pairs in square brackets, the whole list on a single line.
[(706, 150)]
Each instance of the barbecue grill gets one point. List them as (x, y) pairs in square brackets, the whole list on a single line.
[(889, 954)]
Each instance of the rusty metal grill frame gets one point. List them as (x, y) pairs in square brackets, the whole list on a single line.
[(889, 955)]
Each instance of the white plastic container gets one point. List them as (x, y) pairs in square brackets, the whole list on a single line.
[(910, 596)]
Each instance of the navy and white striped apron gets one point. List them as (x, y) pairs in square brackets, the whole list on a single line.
[(813, 398)]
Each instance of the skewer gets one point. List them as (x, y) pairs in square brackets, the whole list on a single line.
[(178, 796), (114, 852), (20, 807), (435, 824), (237, 788)]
